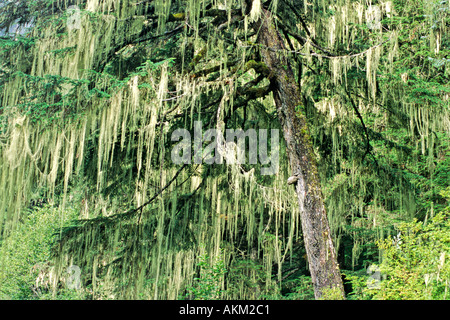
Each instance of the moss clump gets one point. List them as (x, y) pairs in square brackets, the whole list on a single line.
[(198, 57), (177, 16), (259, 67)]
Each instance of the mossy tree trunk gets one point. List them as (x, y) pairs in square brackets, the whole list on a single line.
[(316, 232)]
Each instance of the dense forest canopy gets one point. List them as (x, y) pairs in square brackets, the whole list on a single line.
[(94, 94)]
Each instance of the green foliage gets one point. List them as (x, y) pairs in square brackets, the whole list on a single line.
[(248, 279), (209, 285), (415, 263), (25, 253), (6, 44), (300, 288), (24, 11)]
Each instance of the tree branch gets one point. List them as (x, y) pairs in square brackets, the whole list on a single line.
[(303, 40), (358, 114), (156, 194)]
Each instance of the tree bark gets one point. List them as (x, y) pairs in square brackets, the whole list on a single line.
[(320, 250)]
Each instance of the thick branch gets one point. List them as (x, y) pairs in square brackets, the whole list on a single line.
[(216, 68)]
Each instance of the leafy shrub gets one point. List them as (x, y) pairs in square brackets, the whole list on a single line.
[(301, 288), (26, 251), (416, 262), (209, 285)]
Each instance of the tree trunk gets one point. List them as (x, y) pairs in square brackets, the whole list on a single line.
[(320, 250)]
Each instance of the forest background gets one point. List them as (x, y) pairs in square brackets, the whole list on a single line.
[(93, 207)]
